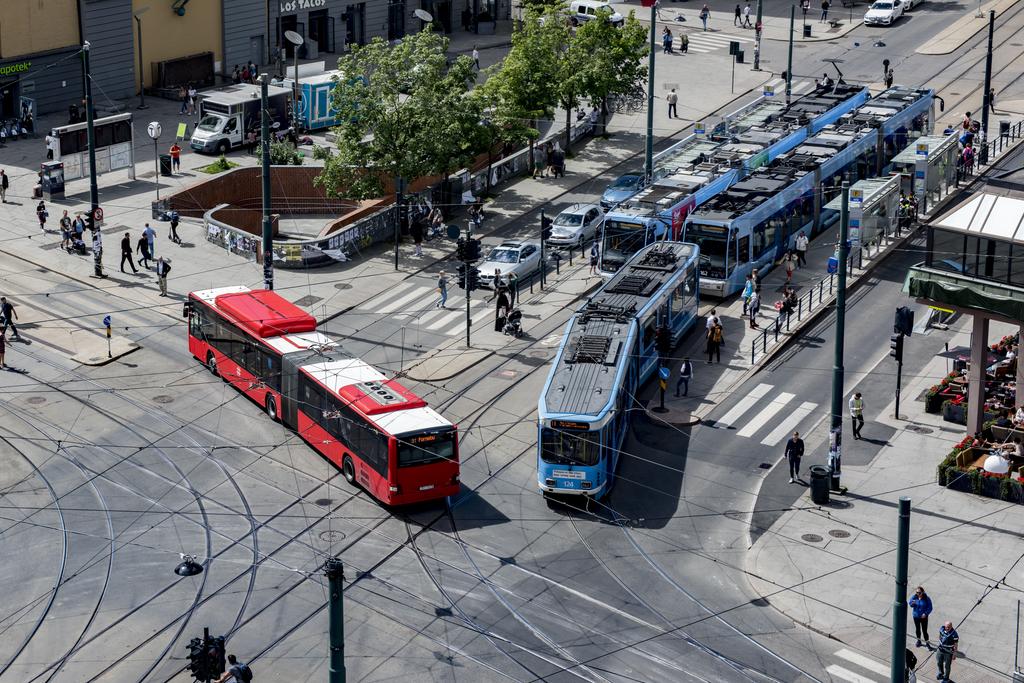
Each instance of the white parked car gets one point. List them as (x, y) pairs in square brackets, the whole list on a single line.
[(576, 226), (585, 10), (521, 258), (885, 12)]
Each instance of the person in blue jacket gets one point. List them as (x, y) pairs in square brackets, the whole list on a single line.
[(921, 607)]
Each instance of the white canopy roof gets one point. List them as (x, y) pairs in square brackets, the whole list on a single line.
[(987, 215)]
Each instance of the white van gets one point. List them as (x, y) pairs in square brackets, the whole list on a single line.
[(585, 10)]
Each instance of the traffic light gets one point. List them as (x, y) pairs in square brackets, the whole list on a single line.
[(904, 321), (216, 661), (460, 249), (896, 347), (472, 249), (197, 659), (460, 278), (545, 227), (663, 340), (474, 279)]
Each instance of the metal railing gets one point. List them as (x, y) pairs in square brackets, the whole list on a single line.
[(987, 152)]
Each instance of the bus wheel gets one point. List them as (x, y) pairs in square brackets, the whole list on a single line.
[(271, 407), (348, 470), (211, 364)]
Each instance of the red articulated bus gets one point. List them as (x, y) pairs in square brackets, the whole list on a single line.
[(381, 435)]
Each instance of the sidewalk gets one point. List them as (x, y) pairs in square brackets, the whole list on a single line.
[(831, 568)]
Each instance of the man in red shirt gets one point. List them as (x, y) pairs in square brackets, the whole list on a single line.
[(175, 157)]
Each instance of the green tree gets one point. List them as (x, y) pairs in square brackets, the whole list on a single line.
[(404, 114), (616, 61)]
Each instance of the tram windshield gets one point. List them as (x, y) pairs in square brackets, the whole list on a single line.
[(621, 240), (712, 254), (570, 448)]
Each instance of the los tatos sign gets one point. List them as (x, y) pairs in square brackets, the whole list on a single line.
[(296, 5)]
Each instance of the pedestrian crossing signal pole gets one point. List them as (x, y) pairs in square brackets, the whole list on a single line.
[(758, 29), (268, 229), (649, 146), (836, 437), (335, 577), (789, 60)]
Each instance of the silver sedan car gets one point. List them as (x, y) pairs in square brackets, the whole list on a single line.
[(576, 226)]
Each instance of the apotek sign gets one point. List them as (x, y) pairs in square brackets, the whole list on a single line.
[(11, 69), (288, 6)]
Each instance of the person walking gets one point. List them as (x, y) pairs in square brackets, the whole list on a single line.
[(889, 76), (748, 291), (150, 234), (711, 320), (857, 414), (7, 317), (163, 267), (594, 253), (42, 214), (145, 255), (756, 278), (992, 99), (666, 41), (715, 339), (672, 98), (949, 639), (967, 158), (126, 253), (51, 144), (789, 261), (921, 607), (794, 451), (801, 243), (239, 672), (416, 230), (753, 306), (824, 10), (736, 20), (4, 184), (3, 350), (746, 16), (175, 157), (442, 289), (705, 14), (172, 232), (684, 43), (513, 290), (65, 230), (685, 375), (476, 58), (183, 96), (191, 100)]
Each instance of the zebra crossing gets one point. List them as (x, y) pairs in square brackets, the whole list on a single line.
[(855, 668), (703, 41), (414, 304), (769, 404)]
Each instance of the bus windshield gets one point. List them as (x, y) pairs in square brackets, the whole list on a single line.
[(570, 448), (428, 447), (620, 242)]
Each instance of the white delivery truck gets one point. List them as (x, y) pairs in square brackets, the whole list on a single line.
[(226, 116)]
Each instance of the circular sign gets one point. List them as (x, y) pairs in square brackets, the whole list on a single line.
[(154, 129), (106, 321), (98, 214), (423, 15), (294, 38), (454, 232)]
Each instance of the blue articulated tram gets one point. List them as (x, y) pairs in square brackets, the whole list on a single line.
[(607, 352), (754, 222)]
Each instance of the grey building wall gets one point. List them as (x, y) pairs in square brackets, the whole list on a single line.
[(244, 32), (53, 80), (108, 26)]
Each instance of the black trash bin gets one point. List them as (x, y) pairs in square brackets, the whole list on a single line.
[(165, 164), (807, 30), (819, 485)]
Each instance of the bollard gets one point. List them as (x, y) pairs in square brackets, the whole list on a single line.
[(799, 308), (752, 350)]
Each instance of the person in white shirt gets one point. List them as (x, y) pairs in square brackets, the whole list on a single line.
[(857, 414), (712, 319), (476, 58), (801, 243)]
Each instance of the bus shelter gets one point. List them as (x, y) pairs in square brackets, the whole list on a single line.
[(928, 168), (874, 208)]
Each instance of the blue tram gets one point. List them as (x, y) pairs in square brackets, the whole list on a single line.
[(701, 166), (607, 352), (754, 222)]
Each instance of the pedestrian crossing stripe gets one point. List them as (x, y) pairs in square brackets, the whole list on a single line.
[(708, 42), (847, 675), (768, 409), (415, 304), (860, 662), (865, 662)]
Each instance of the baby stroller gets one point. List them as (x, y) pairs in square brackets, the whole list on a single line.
[(514, 324), (77, 246)]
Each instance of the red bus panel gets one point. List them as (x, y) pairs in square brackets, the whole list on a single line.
[(265, 314)]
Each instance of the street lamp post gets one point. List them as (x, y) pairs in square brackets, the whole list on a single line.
[(154, 131), (758, 29), (838, 372), (138, 23), (649, 146), (296, 40)]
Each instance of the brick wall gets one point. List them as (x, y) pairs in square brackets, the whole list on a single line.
[(249, 220)]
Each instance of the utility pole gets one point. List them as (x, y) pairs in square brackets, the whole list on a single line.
[(268, 233), (335, 576), (836, 436), (757, 38), (649, 148), (543, 239), (789, 60), (986, 100), (466, 281), (94, 192), (398, 220), (898, 658)]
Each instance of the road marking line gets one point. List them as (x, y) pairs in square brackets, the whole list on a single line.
[(744, 404), (847, 675), (767, 413), (418, 291), (866, 662), (789, 424)]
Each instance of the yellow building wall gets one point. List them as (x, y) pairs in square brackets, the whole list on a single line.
[(28, 26), (165, 35)]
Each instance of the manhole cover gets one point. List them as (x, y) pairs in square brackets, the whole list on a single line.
[(308, 300), (323, 502), (343, 285), (765, 466), (919, 430), (543, 355), (505, 374), (533, 361), (35, 400), (443, 611), (331, 536), (812, 538), (838, 533), (163, 398)]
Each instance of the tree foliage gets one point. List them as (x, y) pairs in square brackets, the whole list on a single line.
[(404, 113), (616, 61)]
